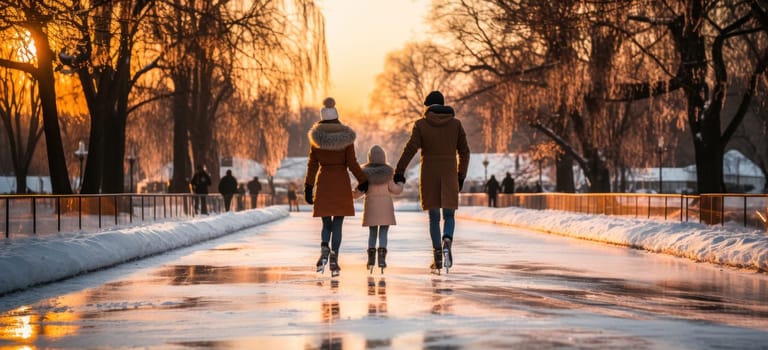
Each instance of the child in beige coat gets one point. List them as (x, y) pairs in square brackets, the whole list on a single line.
[(378, 209)]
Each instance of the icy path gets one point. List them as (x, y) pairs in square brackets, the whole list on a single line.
[(510, 288)]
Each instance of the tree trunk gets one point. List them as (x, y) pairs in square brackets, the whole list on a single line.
[(597, 173), (21, 181), (182, 169), (94, 166), (57, 165), (564, 173), (113, 179), (204, 150)]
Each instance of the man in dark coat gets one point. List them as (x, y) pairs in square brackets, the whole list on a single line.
[(254, 187), (508, 184), (228, 188), (444, 163), (492, 189), (200, 182)]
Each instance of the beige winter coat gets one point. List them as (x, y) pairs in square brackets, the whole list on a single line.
[(378, 208), (331, 153), (444, 154)]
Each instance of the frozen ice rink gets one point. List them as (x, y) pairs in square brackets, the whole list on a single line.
[(509, 288)]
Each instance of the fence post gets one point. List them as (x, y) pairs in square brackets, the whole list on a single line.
[(681, 206), (79, 212), (116, 211), (99, 211), (58, 212), (130, 209), (34, 216), (722, 211), (745, 211), (665, 208), (7, 217), (649, 206)]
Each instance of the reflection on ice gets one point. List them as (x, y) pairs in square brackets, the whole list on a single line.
[(441, 302), (205, 274), (377, 293)]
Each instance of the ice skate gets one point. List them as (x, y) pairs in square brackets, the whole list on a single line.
[(371, 259), (437, 263), (323, 260), (447, 255), (382, 259), (333, 260)]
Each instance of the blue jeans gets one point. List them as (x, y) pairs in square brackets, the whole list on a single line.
[(381, 232), (434, 226), (332, 231)]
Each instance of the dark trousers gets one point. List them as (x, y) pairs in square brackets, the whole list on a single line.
[(492, 200), (200, 204), (254, 200), (227, 201), (332, 231)]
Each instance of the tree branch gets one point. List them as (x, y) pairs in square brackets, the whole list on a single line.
[(25, 67), (505, 79), (562, 143)]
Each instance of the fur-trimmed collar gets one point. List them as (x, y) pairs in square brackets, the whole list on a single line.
[(331, 136), (437, 115), (378, 173)]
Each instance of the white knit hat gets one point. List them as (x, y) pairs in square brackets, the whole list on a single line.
[(329, 114)]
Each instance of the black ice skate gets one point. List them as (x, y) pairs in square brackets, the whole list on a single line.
[(371, 259), (447, 255), (333, 260), (382, 259), (324, 251), (437, 263)]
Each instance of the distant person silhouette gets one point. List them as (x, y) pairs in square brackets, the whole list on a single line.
[(228, 188), (492, 189), (200, 182)]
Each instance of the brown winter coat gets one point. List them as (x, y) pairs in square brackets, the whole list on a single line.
[(331, 153), (378, 208), (440, 136)]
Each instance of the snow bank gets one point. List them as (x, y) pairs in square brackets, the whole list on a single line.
[(732, 246), (27, 262)]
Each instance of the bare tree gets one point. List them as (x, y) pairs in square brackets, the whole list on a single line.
[(20, 115), (33, 18), (219, 50), (101, 56), (409, 75), (710, 37)]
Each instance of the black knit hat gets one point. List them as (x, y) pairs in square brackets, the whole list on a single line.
[(434, 98)]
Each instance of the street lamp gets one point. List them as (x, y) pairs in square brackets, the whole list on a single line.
[(131, 162), (81, 153), (485, 164), (660, 151)]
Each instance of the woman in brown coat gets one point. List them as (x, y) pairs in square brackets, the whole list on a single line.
[(327, 185), (441, 137)]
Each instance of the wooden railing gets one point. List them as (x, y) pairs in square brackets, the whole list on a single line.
[(748, 210), (28, 215)]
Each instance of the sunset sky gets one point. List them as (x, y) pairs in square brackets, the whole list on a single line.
[(360, 33)]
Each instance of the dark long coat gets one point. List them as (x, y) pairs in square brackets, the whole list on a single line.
[(331, 153), (444, 154)]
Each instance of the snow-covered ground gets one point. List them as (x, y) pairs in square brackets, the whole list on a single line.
[(27, 262), (30, 261), (730, 245)]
